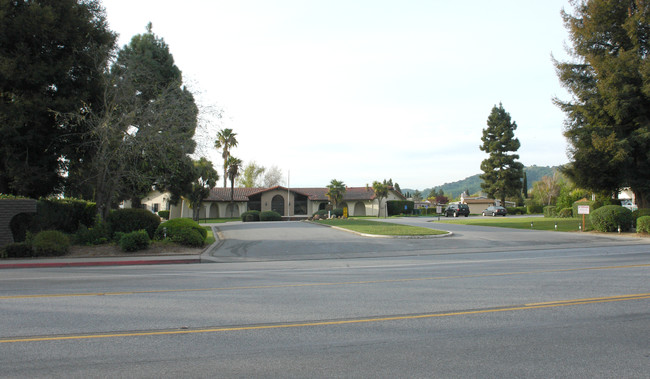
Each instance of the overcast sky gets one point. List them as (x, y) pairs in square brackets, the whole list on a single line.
[(365, 90)]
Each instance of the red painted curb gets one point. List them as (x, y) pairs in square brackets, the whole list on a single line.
[(100, 263)]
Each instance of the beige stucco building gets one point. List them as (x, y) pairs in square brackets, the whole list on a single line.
[(288, 202)]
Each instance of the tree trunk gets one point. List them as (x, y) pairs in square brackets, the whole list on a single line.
[(641, 198)]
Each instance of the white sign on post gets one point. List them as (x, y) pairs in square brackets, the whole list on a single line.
[(583, 209)]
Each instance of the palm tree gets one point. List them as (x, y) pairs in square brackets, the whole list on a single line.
[(335, 192), (226, 139), (381, 192), (233, 166)]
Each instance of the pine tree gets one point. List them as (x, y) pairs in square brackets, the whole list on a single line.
[(502, 173)]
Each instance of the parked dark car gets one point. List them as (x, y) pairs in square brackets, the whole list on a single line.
[(457, 210), (495, 211)]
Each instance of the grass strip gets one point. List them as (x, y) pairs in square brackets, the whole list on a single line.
[(535, 223), (381, 228)]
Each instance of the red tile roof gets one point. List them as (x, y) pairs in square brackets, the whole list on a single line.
[(315, 194)]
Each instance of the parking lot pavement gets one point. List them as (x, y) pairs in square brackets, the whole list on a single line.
[(300, 240)]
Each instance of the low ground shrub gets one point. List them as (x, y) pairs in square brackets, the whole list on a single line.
[(609, 217), (18, 250), (129, 220), (250, 216), (272, 216), (134, 241), (50, 243), (643, 224), (188, 237), (177, 229), (96, 235)]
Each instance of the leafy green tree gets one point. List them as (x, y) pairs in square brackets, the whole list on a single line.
[(608, 116), (547, 190), (381, 192), (335, 191), (52, 56), (226, 139), (502, 173), (524, 186), (205, 179), (251, 176), (141, 136), (233, 167), (417, 195)]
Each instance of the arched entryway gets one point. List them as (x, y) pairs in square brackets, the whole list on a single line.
[(359, 209), (277, 204), (214, 211), (232, 210)]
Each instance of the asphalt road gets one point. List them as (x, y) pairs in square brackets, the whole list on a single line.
[(484, 303)]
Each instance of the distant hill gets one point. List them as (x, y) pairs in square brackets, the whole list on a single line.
[(473, 183)]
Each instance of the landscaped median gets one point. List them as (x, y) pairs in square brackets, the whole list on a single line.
[(371, 228)]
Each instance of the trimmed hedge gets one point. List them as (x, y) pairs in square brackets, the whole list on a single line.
[(96, 235), (129, 220), (640, 213), (50, 243), (179, 230), (270, 216), (65, 215), (516, 210), (134, 241), (550, 211), (609, 217), (643, 224), (565, 213), (396, 207), (250, 216), (164, 214)]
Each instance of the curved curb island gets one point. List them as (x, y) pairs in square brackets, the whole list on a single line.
[(448, 234)]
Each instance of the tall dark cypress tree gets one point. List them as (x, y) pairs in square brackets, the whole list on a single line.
[(502, 173), (52, 56), (608, 115)]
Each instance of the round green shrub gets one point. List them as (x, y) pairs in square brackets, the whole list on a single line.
[(164, 214), (565, 213), (270, 216), (188, 237), (176, 230), (643, 224), (134, 241), (640, 213), (609, 217), (50, 243), (18, 250), (250, 216), (129, 220)]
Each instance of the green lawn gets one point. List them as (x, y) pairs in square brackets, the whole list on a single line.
[(209, 240), (538, 223), (367, 226)]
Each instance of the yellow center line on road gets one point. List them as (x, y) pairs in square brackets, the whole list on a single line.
[(562, 303), (317, 284)]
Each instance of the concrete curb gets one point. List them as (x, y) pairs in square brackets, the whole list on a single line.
[(88, 263)]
